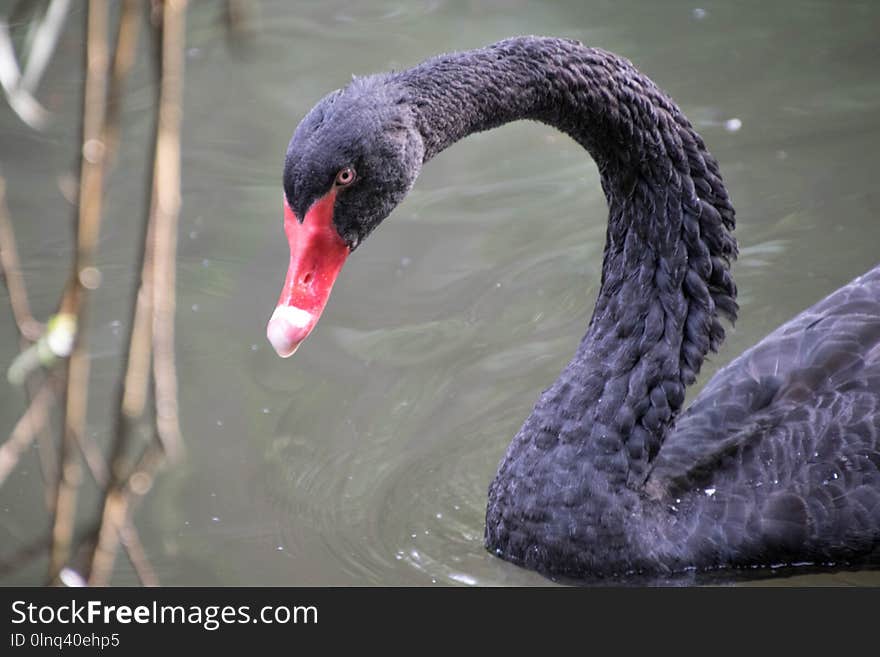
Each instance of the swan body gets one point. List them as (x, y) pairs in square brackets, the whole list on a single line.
[(776, 461)]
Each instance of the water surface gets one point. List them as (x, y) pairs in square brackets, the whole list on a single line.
[(366, 458)]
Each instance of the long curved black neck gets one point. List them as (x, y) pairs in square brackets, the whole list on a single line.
[(665, 276)]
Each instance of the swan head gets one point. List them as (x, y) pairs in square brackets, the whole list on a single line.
[(351, 161)]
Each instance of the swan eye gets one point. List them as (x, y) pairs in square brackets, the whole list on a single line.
[(345, 177)]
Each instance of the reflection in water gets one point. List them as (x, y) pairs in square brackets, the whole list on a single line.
[(366, 458)]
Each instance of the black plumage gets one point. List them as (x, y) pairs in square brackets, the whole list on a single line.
[(777, 461)]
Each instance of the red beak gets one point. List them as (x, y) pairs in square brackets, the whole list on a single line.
[(317, 253)]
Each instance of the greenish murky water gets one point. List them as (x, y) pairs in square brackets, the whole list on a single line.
[(365, 459)]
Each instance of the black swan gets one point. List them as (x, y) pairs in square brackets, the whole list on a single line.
[(776, 462)]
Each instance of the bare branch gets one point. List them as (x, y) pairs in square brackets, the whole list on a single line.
[(43, 44), (138, 556), (123, 59), (166, 178), (29, 328), (74, 301), (128, 534), (46, 447), (33, 419), (113, 519), (22, 103), (153, 313), (20, 87)]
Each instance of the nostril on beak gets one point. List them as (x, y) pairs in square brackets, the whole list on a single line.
[(307, 278)]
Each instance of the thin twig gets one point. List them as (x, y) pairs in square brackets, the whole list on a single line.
[(156, 300), (152, 331), (116, 527), (74, 301), (24, 431), (113, 519), (123, 59), (34, 420), (138, 356), (20, 100), (128, 534), (136, 360), (137, 556), (29, 328), (94, 458), (43, 44), (20, 87), (135, 381), (167, 185), (46, 447), (116, 524)]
